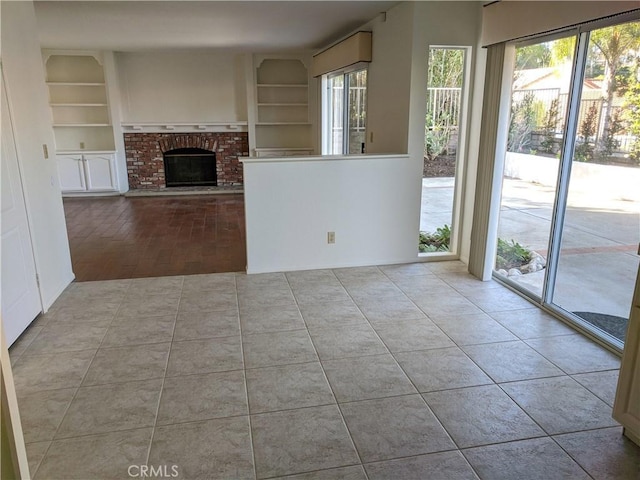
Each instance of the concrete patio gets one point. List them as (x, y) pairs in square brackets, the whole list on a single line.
[(600, 239)]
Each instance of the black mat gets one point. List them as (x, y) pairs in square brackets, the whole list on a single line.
[(616, 326)]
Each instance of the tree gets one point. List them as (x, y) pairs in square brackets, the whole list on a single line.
[(632, 115), (522, 123), (617, 44), (533, 56), (548, 143), (446, 67), (584, 151)]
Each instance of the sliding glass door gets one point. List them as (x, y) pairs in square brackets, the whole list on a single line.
[(345, 110), (569, 226), (540, 89)]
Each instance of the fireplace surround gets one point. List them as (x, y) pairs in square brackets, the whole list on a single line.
[(145, 155)]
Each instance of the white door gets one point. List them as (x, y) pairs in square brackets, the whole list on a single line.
[(100, 172), (20, 296), (71, 173)]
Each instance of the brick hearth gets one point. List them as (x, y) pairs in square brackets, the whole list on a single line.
[(145, 164)]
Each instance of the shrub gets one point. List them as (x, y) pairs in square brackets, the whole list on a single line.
[(522, 123), (584, 151), (435, 242), (511, 255)]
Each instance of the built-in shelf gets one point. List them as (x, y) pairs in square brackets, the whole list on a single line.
[(282, 104), (78, 104), (282, 85), (76, 84), (282, 123), (81, 125)]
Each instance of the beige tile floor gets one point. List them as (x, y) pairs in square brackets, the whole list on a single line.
[(399, 372)]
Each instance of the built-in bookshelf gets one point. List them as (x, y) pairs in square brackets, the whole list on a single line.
[(79, 106), (282, 103)]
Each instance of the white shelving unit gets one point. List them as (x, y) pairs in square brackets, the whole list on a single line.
[(282, 117), (81, 120)]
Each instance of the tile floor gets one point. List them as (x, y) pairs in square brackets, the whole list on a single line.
[(134, 237), (400, 372)]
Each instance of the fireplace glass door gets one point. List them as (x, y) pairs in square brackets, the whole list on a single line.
[(185, 167)]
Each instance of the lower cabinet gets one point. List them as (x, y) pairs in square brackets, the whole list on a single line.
[(87, 172), (626, 408)]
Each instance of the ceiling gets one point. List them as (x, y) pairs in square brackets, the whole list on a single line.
[(253, 26)]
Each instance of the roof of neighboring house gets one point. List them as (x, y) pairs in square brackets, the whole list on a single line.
[(550, 77)]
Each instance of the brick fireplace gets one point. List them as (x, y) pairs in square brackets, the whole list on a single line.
[(145, 163)]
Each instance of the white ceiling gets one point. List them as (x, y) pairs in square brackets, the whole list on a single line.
[(238, 25)]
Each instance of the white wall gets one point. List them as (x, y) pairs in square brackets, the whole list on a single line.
[(455, 24), (28, 101), (397, 89), (189, 86), (389, 81), (370, 202)]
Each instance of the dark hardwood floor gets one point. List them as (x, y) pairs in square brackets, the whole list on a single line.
[(123, 237)]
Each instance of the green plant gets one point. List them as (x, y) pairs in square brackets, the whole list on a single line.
[(522, 123), (609, 142), (436, 136), (512, 255), (548, 143), (632, 116), (584, 151), (435, 242)]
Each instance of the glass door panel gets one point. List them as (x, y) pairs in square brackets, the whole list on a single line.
[(446, 91), (540, 89), (336, 114), (357, 110), (598, 257)]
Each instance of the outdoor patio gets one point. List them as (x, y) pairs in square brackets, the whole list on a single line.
[(600, 239)]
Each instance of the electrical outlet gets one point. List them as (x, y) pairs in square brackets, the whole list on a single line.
[(331, 237), (81, 145)]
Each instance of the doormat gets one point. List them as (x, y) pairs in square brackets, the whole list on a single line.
[(613, 325)]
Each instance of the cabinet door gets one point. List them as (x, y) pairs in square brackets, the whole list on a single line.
[(626, 408), (100, 172), (71, 173)]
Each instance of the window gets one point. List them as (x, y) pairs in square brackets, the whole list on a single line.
[(345, 113)]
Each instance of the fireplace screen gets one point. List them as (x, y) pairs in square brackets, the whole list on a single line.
[(190, 167)]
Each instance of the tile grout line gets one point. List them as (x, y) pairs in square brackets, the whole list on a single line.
[(246, 382), (164, 378), (64, 415), (326, 378)]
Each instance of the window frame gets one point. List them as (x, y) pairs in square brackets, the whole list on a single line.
[(326, 134)]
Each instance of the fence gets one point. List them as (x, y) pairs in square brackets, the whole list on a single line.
[(443, 106), (544, 97)]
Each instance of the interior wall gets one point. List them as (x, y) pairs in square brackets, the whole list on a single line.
[(28, 102), (389, 80), (449, 24), (189, 86), (368, 201)]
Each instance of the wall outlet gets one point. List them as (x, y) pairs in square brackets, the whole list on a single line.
[(331, 237), (81, 145)]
